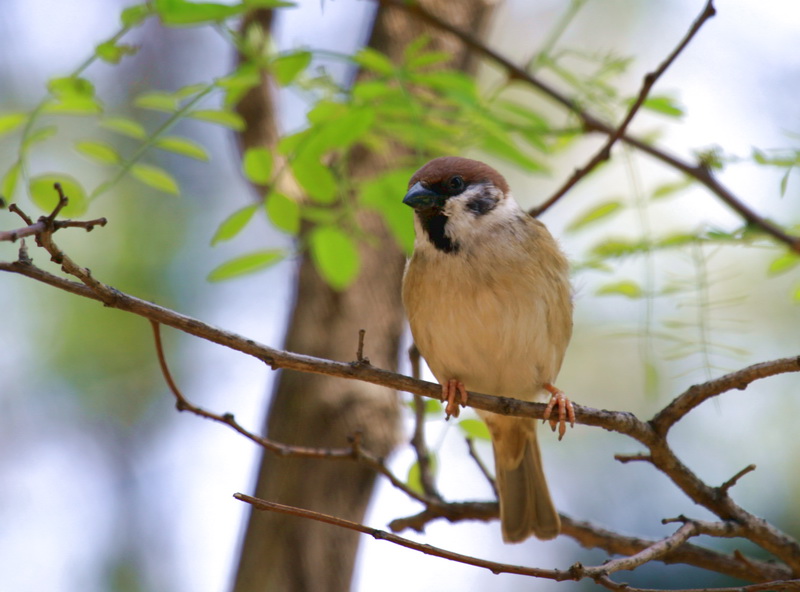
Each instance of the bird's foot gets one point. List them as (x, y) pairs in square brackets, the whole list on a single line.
[(453, 392), (565, 410)]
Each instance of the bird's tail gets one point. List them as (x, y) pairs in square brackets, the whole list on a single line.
[(525, 504)]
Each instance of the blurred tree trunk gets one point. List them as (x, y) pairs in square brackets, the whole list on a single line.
[(285, 553)]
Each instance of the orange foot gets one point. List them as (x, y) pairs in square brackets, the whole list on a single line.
[(453, 392), (565, 410)]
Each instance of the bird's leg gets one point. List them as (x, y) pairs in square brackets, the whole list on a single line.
[(565, 410), (453, 392)]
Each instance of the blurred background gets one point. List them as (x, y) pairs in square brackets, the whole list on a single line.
[(104, 486)]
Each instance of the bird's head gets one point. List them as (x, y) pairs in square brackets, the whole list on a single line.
[(456, 198)]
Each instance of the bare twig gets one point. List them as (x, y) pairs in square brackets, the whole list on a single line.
[(714, 498), (354, 452), (424, 459), (699, 393), (655, 551), (360, 359), (591, 123), (382, 535), (650, 79), (725, 487), (35, 228), (481, 465)]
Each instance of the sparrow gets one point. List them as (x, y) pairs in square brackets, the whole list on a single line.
[(488, 298)]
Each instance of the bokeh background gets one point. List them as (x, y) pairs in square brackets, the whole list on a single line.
[(104, 486)]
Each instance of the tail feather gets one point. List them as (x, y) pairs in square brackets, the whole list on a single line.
[(525, 504)]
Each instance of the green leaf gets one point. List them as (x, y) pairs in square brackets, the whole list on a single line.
[(369, 90), (414, 478), (190, 90), (180, 13), (594, 214), (668, 189), (614, 247), (98, 151), (9, 183), (11, 121), (125, 126), (113, 53), (39, 135), (245, 265), (796, 295), (136, 14), (157, 100), (785, 182), (257, 165), (183, 146), (287, 67), (73, 96), (236, 84), (505, 148), (375, 61), (335, 255), (284, 212), (784, 263), (428, 59), (269, 4), (475, 428), (383, 194), (44, 195), (155, 177), (665, 105), (233, 224), (316, 179), (625, 288), (225, 118)]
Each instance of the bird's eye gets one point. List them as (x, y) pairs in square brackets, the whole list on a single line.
[(456, 184)]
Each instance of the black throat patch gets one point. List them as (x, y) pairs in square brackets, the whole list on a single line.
[(434, 224)]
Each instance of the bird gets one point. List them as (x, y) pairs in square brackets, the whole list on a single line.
[(489, 302)]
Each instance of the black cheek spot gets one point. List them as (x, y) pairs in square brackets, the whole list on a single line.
[(482, 204)]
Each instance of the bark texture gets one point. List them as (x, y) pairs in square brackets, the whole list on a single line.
[(284, 553)]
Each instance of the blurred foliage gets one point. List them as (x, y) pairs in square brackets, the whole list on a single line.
[(418, 104)]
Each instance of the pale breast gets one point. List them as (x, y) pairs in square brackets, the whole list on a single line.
[(498, 331)]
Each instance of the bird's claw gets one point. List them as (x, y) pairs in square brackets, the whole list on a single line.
[(453, 392), (565, 410)]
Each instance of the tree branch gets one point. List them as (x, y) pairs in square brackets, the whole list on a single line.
[(650, 79), (698, 393), (576, 572), (699, 172), (651, 434)]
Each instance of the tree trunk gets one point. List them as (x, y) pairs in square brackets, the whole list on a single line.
[(285, 553)]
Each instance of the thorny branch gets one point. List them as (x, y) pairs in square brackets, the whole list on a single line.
[(735, 520), (698, 171)]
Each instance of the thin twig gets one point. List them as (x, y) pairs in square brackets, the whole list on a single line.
[(481, 465), (650, 79), (755, 529), (725, 487), (592, 124), (354, 452), (699, 393), (360, 359), (424, 457), (382, 535), (655, 551)]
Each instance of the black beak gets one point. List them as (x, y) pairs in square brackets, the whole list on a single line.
[(420, 197)]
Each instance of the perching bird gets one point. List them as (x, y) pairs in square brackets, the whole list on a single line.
[(488, 297)]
